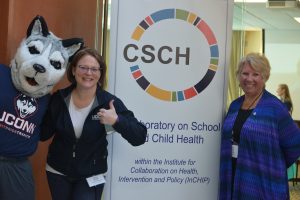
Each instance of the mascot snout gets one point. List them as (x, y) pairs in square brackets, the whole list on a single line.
[(41, 59)]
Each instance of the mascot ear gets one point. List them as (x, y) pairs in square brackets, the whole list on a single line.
[(72, 46), (38, 26)]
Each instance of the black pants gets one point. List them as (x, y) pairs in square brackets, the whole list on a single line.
[(16, 179), (63, 188)]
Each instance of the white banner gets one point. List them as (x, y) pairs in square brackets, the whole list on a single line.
[(168, 64)]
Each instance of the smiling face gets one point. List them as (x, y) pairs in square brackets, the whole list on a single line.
[(251, 81), (87, 72)]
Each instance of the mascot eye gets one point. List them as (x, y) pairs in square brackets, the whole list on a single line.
[(33, 50), (56, 64)]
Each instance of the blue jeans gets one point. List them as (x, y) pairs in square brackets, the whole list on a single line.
[(63, 188)]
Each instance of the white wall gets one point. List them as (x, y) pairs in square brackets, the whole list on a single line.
[(283, 50)]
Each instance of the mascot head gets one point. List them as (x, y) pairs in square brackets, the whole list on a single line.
[(41, 59)]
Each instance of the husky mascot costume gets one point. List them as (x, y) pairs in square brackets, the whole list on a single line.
[(40, 62)]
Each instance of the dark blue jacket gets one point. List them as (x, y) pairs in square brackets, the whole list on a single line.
[(86, 156)]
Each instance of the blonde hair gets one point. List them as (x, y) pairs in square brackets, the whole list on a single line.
[(258, 62)]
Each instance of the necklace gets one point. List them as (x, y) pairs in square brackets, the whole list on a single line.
[(252, 103)]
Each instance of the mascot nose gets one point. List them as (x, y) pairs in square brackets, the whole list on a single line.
[(39, 68)]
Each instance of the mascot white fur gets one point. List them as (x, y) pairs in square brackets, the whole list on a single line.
[(40, 62)]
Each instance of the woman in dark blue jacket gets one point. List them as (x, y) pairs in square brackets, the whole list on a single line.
[(77, 117)]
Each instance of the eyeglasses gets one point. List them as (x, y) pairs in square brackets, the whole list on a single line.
[(85, 69)]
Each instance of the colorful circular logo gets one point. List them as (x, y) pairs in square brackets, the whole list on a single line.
[(194, 20)]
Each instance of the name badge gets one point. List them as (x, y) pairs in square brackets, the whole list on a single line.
[(95, 180), (235, 149)]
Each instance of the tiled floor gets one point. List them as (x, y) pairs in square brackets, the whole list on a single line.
[(295, 191)]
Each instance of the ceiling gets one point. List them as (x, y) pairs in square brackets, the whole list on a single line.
[(253, 16)]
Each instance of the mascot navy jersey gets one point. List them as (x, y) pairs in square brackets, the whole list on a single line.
[(20, 117), (39, 63)]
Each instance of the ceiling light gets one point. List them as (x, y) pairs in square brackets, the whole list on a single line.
[(251, 1), (297, 19)]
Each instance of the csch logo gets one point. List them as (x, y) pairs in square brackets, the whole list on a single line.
[(139, 54)]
